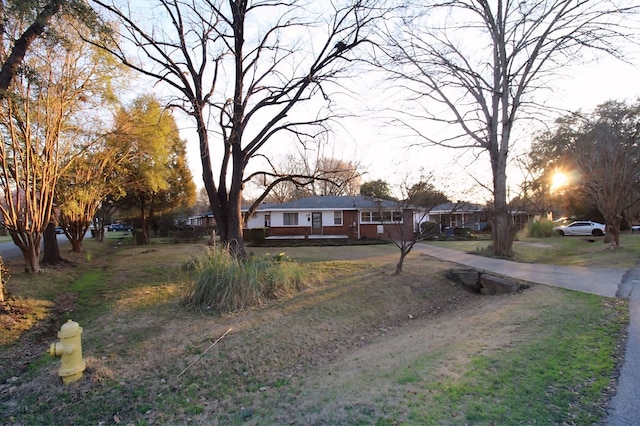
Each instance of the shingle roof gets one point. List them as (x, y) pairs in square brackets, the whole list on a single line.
[(332, 202), (458, 207)]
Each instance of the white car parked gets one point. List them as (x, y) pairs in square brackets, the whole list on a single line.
[(581, 227)]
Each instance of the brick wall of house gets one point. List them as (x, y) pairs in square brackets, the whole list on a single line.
[(349, 228), (289, 230)]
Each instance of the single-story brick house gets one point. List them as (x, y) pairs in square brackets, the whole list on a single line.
[(352, 217), (356, 217)]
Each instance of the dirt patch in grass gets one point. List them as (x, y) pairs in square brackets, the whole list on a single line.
[(358, 347)]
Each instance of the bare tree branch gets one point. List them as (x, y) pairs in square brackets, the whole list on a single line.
[(484, 60), (250, 69)]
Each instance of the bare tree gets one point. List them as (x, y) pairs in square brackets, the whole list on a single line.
[(480, 62), (241, 71), (339, 177), (309, 173), (414, 205)]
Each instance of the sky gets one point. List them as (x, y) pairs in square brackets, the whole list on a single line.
[(583, 88), (371, 142)]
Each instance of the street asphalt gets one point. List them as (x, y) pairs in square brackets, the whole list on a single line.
[(8, 249), (624, 408)]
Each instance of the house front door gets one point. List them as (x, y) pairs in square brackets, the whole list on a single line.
[(316, 222)]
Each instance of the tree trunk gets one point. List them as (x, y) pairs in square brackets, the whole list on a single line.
[(503, 228), (31, 258), (13, 62), (1, 281), (76, 245), (403, 254), (51, 250), (234, 239), (98, 234), (75, 234), (502, 234), (29, 245), (146, 232), (613, 232), (143, 238)]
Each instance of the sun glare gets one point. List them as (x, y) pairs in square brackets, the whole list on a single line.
[(558, 180)]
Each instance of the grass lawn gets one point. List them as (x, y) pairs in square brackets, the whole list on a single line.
[(357, 346), (576, 251)]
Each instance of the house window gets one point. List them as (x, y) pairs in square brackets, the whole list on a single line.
[(337, 217), (290, 219), (267, 220), (381, 217)]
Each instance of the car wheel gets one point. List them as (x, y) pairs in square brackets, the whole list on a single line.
[(560, 232), (597, 233)]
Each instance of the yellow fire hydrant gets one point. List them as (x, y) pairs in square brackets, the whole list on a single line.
[(69, 349)]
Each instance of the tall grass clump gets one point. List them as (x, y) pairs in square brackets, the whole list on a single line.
[(225, 284), (540, 229)]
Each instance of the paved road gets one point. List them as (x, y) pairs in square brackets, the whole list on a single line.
[(624, 408), (10, 251)]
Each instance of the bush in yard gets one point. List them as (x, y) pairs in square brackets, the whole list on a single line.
[(539, 229), (225, 284), (258, 235)]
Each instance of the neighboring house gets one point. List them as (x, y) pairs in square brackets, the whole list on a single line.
[(469, 215), (205, 219), (460, 215), (352, 217)]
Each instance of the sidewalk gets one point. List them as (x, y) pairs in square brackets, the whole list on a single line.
[(600, 281), (624, 407)]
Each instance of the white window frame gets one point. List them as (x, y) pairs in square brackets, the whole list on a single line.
[(386, 216), (337, 217), (290, 216)]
